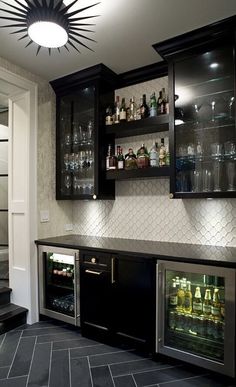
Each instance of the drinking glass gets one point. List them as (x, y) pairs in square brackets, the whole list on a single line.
[(75, 134), (67, 181), (66, 161), (76, 161), (75, 182), (197, 181), (206, 180), (217, 171), (72, 161), (231, 171), (90, 132), (216, 150), (68, 138), (231, 107), (230, 149)]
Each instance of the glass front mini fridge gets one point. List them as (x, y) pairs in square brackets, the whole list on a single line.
[(59, 283), (195, 314)]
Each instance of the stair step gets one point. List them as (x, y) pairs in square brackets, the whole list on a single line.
[(11, 316), (5, 295)]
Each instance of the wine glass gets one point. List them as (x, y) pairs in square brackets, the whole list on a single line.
[(66, 161), (90, 132)]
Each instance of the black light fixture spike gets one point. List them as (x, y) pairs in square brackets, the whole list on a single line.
[(22, 5), (72, 45), (38, 49), (14, 7), (12, 13), (81, 10), (80, 29), (18, 32), (77, 41), (14, 25), (53, 13), (84, 17), (81, 36), (65, 9), (30, 42), (23, 37)]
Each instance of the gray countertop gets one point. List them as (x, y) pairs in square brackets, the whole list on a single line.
[(182, 252)]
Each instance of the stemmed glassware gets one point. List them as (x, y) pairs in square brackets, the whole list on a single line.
[(230, 156)]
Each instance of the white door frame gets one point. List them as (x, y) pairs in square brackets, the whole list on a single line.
[(22, 193)]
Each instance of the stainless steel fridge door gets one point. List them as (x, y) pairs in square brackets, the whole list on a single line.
[(43, 309), (226, 365)]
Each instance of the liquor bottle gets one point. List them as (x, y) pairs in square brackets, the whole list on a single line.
[(180, 297), (116, 119), (109, 117), (144, 109), (153, 105), (197, 301), (132, 110), (154, 157), (162, 154), (142, 157), (167, 155), (111, 160), (120, 158), (173, 296), (159, 102), (130, 160), (215, 308), (123, 110), (207, 303), (188, 298), (163, 102)]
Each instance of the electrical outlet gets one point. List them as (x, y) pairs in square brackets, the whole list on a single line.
[(69, 227), (44, 216)]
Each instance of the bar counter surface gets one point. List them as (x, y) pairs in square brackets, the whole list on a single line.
[(181, 252)]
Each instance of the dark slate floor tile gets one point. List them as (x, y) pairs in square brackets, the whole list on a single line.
[(201, 381), (14, 382), (66, 344), (60, 373), (42, 331), (102, 377), (124, 381), (39, 372), (80, 372), (8, 348), (135, 366), (95, 349), (58, 337), (23, 356), (163, 375), (111, 358), (4, 372)]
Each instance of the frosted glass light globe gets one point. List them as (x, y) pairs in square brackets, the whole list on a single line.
[(48, 34)]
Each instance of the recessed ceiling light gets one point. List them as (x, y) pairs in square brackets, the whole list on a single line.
[(214, 65)]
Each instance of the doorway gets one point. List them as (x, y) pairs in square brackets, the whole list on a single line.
[(21, 97)]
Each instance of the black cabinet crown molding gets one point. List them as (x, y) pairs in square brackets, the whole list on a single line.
[(207, 35)]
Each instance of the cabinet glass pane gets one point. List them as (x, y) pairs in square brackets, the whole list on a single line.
[(59, 283), (3, 192), (77, 143), (3, 228), (205, 123), (195, 313)]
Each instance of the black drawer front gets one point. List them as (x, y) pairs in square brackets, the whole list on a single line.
[(101, 261)]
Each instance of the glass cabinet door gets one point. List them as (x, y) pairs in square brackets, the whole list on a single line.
[(59, 283), (205, 136), (75, 168)]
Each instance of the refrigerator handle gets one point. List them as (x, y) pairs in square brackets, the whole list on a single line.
[(76, 287), (159, 317), (113, 270)]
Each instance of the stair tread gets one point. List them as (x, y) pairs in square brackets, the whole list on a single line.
[(4, 289), (10, 310)]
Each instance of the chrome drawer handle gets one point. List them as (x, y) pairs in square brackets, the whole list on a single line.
[(93, 272)]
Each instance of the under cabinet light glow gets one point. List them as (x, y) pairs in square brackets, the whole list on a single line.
[(48, 34), (214, 65)]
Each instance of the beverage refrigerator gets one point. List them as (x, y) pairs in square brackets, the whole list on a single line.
[(59, 283), (195, 314)]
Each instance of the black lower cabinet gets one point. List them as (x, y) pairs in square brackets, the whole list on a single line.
[(118, 298)]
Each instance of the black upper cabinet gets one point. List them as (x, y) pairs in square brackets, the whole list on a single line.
[(202, 111), (81, 100)]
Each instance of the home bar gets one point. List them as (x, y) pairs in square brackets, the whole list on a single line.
[(123, 271)]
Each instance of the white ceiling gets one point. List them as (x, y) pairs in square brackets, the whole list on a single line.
[(124, 31)]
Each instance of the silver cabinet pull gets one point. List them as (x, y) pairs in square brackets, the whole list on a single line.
[(93, 272), (113, 270)]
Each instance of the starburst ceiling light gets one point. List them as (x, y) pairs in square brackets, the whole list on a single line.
[(48, 23)]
